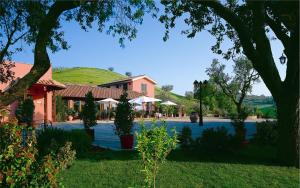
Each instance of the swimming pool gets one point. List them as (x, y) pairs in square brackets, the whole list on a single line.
[(106, 137)]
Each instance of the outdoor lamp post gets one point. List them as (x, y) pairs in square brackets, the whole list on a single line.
[(282, 59), (198, 90)]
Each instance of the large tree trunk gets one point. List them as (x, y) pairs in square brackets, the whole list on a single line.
[(288, 122), (41, 59)]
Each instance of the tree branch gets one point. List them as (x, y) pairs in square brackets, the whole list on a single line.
[(279, 32), (239, 26), (41, 58), (265, 65)]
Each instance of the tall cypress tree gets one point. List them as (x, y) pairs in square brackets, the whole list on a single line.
[(89, 111)]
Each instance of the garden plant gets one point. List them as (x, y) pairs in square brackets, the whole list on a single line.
[(154, 145)]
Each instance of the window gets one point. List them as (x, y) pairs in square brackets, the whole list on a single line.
[(117, 86), (144, 88)]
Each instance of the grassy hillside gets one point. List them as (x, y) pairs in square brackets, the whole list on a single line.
[(83, 75), (95, 76)]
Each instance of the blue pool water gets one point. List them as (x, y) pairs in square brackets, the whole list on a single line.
[(106, 137)]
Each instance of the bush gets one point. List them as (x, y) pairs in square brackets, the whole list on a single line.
[(66, 156), (61, 109), (89, 111), (266, 133), (185, 138), (20, 165), (53, 139), (154, 145), (215, 140), (25, 110), (124, 116)]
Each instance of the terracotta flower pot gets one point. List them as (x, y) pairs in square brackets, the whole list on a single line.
[(70, 118), (126, 141)]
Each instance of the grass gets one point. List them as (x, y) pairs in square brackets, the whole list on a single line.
[(269, 111), (83, 75), (252, 167)]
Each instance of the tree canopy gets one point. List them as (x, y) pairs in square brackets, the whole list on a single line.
[(45, 18)]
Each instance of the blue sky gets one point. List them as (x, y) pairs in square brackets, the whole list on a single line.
[(179, 61)]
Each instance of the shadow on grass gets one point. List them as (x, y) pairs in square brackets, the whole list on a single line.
[(263, 155)]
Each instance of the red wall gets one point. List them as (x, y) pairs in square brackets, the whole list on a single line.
[(37, 92)]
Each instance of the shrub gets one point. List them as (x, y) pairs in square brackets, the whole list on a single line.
[(185, 138), (124, 116), (71, 112), (53, 138), (66, 156), (25, 110), (215, 140), (153, 146), (89, 111), (61, 109), (266, 133), (20, 165)]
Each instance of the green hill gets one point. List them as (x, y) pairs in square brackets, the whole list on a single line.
[(83, 75), (96, 76)]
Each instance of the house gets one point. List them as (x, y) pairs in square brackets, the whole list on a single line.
[(74, 95), (141, 84), (41, 93)]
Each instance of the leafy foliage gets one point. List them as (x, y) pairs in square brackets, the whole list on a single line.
[(25, 110), (266, 133), (51, 139), (215, 140), (124, 116), (153, 146), (20, 165), (89, 111), (129, 74), (61, 109), (185, 138)]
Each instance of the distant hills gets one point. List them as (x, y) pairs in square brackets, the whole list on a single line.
[(96, 76)]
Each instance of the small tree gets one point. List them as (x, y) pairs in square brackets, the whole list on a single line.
[(61, 109), (154, 145), (111, 69), (89, 111), (235, 87), (129, 74), (25, 110), (124, 116), (165, 92)]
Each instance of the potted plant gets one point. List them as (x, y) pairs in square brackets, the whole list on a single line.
[(124, 122), (194, 117), (88, 114), (71, 113)]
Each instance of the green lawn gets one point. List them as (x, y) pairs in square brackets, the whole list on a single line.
[(252, 167)]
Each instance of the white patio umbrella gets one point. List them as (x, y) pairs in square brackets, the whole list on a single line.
[(169, 103), (109, 101), (143, 99)]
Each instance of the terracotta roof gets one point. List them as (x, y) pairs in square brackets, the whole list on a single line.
[(128, 79), (79, 91), (51, 83)]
